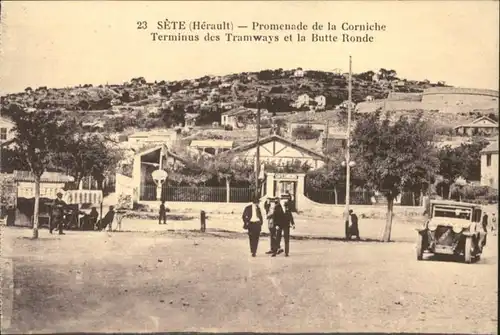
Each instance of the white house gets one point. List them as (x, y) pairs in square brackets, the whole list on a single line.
[(299, 73), (321, 101), (489, 165), (302, 100), (483, 125), (6, 130), (237, 117), (369, 98)]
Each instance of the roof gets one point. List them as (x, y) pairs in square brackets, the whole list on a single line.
[(212, 143), (277, 138), (47, 177), (454, 203), (7, 120), (473, 124), (238, 111), (158, 147), (492, 148), (152, 133)]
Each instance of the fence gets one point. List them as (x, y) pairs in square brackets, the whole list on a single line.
[(198, 194), (337, 197), (330, 196)]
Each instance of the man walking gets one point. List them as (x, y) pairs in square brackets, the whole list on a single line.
[(284, 226), (252, 221), (57, 214)]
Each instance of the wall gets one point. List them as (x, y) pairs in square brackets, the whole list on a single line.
[(450, 95), (313, 210), (489, 172), (405, 96)]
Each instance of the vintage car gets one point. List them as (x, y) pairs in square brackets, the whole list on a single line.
[(454, 228)]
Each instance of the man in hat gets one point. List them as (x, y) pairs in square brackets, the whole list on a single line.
[(57, 213), (284, 227), (252, 221)]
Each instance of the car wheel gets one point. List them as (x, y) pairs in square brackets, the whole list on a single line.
[(420, 247), (468, 250)]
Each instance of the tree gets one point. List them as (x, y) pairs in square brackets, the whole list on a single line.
[(85, 154), (38, 139), (393, 156)]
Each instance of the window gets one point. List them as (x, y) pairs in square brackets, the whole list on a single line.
[(488, 160), (3, 133)]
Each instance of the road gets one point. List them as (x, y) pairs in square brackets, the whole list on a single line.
[(189, 281)]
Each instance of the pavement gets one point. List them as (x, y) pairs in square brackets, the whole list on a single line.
[(172, 278), (403, 230)]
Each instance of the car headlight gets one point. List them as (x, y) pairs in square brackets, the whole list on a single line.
[(457, 229), (431, 226)]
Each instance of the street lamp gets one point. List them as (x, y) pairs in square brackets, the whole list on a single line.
[(159, 177)]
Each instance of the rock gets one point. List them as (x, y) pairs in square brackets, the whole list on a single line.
[(162, 300), (171, 302), (160, 260), (185, 303)]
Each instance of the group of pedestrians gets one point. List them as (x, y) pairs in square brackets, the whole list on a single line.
[(279, 217)]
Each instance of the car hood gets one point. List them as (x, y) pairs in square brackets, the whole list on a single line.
[(450, 222)]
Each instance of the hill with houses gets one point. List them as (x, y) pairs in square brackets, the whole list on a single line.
[(224, 107)]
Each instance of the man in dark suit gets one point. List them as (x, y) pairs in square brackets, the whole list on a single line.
[(284, 226), (252, 221), (57, 214)]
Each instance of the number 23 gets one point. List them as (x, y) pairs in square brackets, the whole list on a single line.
[(142, 25)]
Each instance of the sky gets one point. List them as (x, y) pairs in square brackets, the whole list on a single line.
[(67, 43)]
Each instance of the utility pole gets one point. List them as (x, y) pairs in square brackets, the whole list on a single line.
[(348, 145), (257, 154)]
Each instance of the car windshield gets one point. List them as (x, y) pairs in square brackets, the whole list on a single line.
[(452, 212)]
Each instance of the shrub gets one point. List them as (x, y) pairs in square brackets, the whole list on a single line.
[(305, 133)]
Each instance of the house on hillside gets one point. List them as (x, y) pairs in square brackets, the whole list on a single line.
[(302, 100), (278, 150), (299, 73), (190, 120), (143, 138), (238, 117), (320, 101), (7, 132), (489, 165), (212, 147), (480, 126), (369, 98)]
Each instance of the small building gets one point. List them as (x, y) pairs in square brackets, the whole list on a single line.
[(278, 150), (190, 120), (320, 101), (7, 132), (237, 117), (147, 161), (212, 147), (302, 100), (489, 165), (369, 98), (480, 126), (167, 137), (50, 183), (299, 73)]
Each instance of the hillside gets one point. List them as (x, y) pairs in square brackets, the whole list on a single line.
[(139, 104)]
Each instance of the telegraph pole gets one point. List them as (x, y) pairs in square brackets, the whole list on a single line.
[(257, 154), (348, 145)]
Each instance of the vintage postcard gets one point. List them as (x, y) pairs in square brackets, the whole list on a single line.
[(249, 166)]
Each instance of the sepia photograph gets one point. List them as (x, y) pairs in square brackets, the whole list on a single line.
[(249, 166)]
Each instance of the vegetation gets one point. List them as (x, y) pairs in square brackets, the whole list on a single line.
[(393, 157)]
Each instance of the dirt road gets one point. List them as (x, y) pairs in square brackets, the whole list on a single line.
[(161, 281)]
